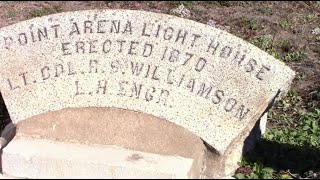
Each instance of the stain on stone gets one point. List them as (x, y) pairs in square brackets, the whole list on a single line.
[(134, 157)]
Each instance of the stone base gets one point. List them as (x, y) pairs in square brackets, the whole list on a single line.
[(114, 143), (39, 158), (4, 176)]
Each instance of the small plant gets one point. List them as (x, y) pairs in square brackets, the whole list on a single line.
[(262, 42), (42, 12), (294, 97), (254, 170), (226, 3), (282, 118), (187, 4), (174, 14), (265, 44), (291, 100), (284, 24), (295, 56), (301, 77), (317, 50), (264, 10), (251, 24), (308, 18), (212, 3), (10, 14)]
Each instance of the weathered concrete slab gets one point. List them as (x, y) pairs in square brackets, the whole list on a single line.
[(201, 78), (40, 158), (135, 131)]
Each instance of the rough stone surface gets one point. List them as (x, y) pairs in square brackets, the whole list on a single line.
[(40, 158), (110, 126), (201, 78)]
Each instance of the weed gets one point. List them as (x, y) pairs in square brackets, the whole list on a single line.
[(10, 14), (264, 10), (279, 117), (265, 44), (284, 24), (308, 18), (42, 12), (212, 3), (317, 50), (262, 42), (281, 50), (289, 106), (295, 56), (295, 148), (301, 77), (292, 99), (226, 3), (187, 4), (307, 133), (257, 171), (174, 14), (251, 24)]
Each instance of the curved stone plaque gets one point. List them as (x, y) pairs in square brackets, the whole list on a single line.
[(201, 78)]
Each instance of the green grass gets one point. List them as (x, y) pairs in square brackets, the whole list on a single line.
[(281, 50), (291, 149), (297, 149), (306, 133), (292, 99), (267, 45), (42, 12)]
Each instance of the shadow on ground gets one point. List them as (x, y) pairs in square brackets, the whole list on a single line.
[(284, 156)]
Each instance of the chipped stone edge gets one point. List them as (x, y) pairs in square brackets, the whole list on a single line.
[(7, 134)]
